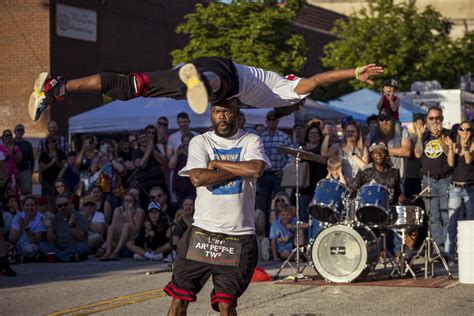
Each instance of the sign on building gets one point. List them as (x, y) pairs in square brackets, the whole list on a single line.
[(76, 23)]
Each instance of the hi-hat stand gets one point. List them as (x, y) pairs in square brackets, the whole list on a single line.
[(429, 246), (298, 271)]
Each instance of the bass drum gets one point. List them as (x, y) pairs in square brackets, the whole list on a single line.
[(341, 253)]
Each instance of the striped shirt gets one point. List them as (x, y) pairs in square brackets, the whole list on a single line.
[(61, 142), (270, 143)]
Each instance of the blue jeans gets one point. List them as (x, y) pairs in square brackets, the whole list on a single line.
[(268, 183), (28, 250), (66, 255), (439, 209), (460, 200)]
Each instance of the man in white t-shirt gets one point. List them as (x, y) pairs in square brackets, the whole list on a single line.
[(204, 79), (175, 139), (224, 166)]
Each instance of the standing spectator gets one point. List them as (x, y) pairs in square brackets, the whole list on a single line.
[(126, 224), (61, 187), (53, 133), (259, 129), (296, 137), (153, 134), (461, 190), (161, 125), (389, 103), (432, 151), (241, 123), (149, 160), (152, 242), (67, 233), (95, 222), (175, 139), (51, 162), (270, 181), (12, 155), (182, 185), (352, 152), (84, 160), (372, 122), (125, 153), (27, 229), (412, 175), (397, 141), (312, 138), (107, 171), (330, 128), (27, 164), (69, 172), (3, 175)]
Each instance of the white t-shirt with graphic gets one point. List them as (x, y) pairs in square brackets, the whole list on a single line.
[(226, 208), (266, 89)]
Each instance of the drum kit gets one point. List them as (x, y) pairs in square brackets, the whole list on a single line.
[(354, 226)]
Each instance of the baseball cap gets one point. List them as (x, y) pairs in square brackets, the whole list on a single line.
[(89, 199), (271, 114), (390, 83), (379, 145), (154, 206)]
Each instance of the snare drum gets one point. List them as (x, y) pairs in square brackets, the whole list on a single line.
[(406, 216), (328, 201), (373, 204), (341, 253)]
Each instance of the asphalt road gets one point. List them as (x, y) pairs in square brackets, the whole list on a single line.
[(123, 288)]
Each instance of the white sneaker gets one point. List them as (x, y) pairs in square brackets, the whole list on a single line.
[(265, 245), (138, 257), (196, 92), (153, 257)]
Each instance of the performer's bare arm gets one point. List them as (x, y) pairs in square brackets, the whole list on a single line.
[(307, 85), (220, 171)]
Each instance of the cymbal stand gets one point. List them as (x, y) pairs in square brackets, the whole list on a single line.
[(296, 251), (387, 256), (429, 245)]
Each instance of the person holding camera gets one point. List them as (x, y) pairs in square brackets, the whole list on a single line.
[(182, 185), (51, 162), (84, 160)]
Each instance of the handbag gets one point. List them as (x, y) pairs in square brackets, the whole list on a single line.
[(289, 175)]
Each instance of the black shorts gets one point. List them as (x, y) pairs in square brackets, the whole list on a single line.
[(230, 282)]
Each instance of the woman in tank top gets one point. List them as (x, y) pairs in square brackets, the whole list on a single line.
[(354, 155), (461, 190)]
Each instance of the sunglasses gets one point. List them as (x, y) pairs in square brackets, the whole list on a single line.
[(384, 120), (272, 119), (465, 129), (20, 129), (7, 135), (62, 205), (279, 200), (156, 196), (151, 132), (163, 124), (89, 204), (435, 118)]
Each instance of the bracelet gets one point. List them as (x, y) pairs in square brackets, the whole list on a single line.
[(357, 72)]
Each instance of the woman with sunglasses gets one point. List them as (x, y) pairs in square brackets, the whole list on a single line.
[(12, 154), (126, 224), (354, 155), (461, 190), (51, 163), (279, 199)]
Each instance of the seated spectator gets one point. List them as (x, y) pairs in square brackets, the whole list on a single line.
[(43, 207), (159, 196), (96, 224), (183, 220), (152, 242), (4, 261), (126, 223), (67, 233), (279, 199), (7, 220), (11, 204), (182, 185), (69, 172), (103, 205), (281, 234), (51, 162), (27, 230), (61, 187)]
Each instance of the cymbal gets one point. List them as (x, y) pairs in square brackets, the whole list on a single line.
[(303, 154)]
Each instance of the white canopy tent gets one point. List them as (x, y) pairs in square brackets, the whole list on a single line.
[(135, 114)]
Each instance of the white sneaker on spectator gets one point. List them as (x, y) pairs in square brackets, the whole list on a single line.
[(265, 245), (168, 259), (153, 257), (138, 257)]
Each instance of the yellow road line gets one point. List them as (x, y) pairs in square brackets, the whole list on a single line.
[(115, 302)]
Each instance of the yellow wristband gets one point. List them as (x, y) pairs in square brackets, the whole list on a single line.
[(357, 72)]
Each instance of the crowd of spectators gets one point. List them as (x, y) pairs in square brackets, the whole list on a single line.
[(116, 198)]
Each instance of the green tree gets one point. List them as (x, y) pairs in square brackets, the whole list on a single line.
[(256, 33), (411, 45)]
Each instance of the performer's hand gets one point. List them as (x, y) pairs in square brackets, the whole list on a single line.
[(367, 71), (402, 199)]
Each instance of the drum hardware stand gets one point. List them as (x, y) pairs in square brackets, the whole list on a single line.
[(387, 257), (403, 267), (429, 244), (297, 269)]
